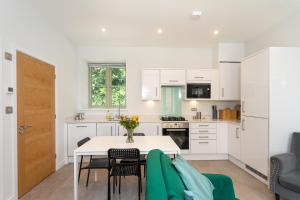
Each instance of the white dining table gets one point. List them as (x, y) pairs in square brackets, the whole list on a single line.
[(99, 146)]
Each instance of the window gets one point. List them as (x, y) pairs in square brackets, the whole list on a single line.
[(107, 84)]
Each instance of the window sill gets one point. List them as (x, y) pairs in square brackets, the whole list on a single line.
[(103, 109)]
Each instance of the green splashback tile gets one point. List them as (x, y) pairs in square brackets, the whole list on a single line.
[(171, 101)]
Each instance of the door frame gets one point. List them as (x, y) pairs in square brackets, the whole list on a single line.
[(36, 55), (1, 124)]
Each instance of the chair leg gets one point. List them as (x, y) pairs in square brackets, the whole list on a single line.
[(114, 183), (88, 177), (139, 187), (80, 166), (108, 187), (277, 196), (144, 171), (119, 184)]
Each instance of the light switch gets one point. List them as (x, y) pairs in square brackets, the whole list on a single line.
[(8, 109)]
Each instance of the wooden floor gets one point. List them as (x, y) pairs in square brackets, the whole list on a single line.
[(59, 186)]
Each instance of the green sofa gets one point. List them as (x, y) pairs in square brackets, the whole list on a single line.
[(164, 182)]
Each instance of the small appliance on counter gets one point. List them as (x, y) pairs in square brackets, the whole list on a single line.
[(214, 112), (228, 114), (79, 116), (197, 116)]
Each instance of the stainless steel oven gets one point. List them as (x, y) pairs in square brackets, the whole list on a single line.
[(179, 132)]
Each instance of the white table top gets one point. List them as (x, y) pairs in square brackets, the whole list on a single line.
[(99, 145)]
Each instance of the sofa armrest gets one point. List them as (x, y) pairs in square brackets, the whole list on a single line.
[(281, 164)]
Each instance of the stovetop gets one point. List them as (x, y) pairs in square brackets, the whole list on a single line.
[(172, 118)]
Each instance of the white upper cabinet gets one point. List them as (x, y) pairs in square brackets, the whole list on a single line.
[(151, 84), (198, 75), (230, 52), (172, 77), (230, 81), (255, 85)]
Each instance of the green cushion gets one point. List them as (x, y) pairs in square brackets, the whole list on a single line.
[(174, 185), (223, 186), (155, 187)]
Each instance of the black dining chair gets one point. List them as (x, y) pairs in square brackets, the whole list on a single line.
[(94, 163), (118, 169), (142, 157)]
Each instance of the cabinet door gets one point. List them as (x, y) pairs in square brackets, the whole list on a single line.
[(203, 146), (229, 81), (254, 143), (255, 85), (150, 84), (106, 129), (120, 130), (222, 138), (198, 75), (148, 128), (77, 132), (234, 141), (172, 77)]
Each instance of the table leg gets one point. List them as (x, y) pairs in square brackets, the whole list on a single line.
[(96, 175), (75, 177)]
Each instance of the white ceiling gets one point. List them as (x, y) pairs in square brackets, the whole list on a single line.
[(135, 22)]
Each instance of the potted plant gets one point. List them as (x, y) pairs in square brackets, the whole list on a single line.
[(129, 123)]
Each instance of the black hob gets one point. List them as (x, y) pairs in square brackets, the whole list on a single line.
[(172, 118)]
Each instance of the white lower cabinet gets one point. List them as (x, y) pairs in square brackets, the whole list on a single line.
[(77, 132), (222, 138), (203, 146), (149, 129), (234, 141), (106, 129), (120, 130)]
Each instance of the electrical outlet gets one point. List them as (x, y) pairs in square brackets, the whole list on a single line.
[(193, 109), (8, 109)]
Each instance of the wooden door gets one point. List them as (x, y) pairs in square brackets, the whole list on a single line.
[(36, 121)]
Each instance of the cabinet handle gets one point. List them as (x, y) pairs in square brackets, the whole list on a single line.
[(203, 142), (243, 106), (111, 130), (203, 125), (198, 77), (173, 81), (203, 136), (118, 130), (243, 125), (156, 91), (237, 133), (202, 131), (157, 130), (222, 92), (81, 126)]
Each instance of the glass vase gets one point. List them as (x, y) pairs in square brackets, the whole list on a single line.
[(130, 136)]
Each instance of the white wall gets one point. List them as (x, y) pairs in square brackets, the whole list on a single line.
[(23, 28), (136, 59), (284, 34)]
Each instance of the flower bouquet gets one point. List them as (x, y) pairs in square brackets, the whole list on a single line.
[(129, 123)]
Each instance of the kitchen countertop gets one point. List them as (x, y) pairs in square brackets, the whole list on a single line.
[(146, 119)]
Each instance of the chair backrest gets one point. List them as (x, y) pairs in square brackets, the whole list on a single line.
[(132, 153), (296, 145), (136, 134), (83, 141)]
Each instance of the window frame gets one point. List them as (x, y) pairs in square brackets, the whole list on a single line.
[(108, 85)]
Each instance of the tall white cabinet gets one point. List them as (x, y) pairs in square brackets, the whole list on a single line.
[(270, 97), (151, 84)]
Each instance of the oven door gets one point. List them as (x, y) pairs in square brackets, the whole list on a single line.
[(179, 135), (198, 91)]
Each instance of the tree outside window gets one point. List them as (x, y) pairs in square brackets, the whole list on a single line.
[(107, 85)]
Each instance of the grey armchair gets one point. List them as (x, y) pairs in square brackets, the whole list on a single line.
[(285, 172)]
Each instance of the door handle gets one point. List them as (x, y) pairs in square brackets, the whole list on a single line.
[(243, 106), (22, 128), (236, 133), (243, 124)]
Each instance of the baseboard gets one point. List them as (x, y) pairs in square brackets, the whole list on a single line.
[(205, 156), (243, 167), (14, 197), (60, 164)]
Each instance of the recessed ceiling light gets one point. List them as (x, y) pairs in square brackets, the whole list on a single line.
[(216, 32), (103, 30), (159, 31), (196, 13)]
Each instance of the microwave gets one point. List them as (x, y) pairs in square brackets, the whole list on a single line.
[(198, 91)]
